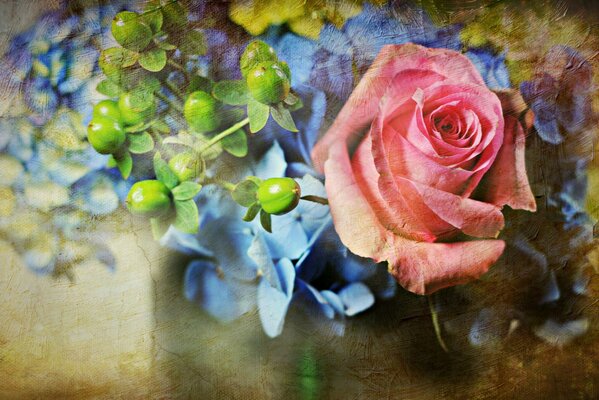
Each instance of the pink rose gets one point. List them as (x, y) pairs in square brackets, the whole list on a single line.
[(424, 186)]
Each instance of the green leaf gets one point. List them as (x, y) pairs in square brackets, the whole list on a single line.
[(193, 42), (153, 60), (111, 162), (160, 225), (244, 193), (283, 117), (234, 93), (139, 127), (161, 126), (152, 17), (254, 179), (114, 59), (199, 83), (141, 98), (258, 114), (163, 173), (252, 211), (174, 16), (187, 219), (293, 102), (182, 138), (140, 143), (108, 88), (149, 83), (164, 45), (125, 164), (236, 143), (130, 32), (265, 221), (186, 190)]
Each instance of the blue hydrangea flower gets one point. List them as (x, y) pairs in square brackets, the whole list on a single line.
[(63, 182), (56, 61), (242, 267), (560, 93), (491, 67)]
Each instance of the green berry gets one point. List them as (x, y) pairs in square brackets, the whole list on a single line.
[(130, 114), (200, 111), (108, 109), (149, 198), (106, 135), (186, 166), (278, 195), (255, 53), (130, 32), (268, 83)]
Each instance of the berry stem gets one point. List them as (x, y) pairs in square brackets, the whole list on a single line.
[(224, 184), (174, 90), (178, 67), (224, 134), (315, 199), (170, 102)]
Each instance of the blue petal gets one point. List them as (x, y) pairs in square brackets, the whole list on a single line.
[(229, 240), (561, 333), (274, 302), (223, 299), (288, 238), (183, 243), (356, 297), (272, 163), (487, 329), (258, 251), (298, 53)]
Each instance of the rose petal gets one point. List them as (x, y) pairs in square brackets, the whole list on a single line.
[(354, 220), (407, 161), (398, 216), (472, 217), (506, 182), (424, 268), (363, 103)]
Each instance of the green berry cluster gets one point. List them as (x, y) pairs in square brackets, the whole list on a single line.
[(184, 125)]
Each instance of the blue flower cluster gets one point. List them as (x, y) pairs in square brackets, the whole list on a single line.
[(241, 268), (56, 60), (55, 177)]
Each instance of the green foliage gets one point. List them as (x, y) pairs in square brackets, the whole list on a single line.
[(139, 81), (234, 93), (153, 60), (186, 191), (163, 173)]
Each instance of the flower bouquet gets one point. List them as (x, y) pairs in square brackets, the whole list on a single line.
[(319, 173)]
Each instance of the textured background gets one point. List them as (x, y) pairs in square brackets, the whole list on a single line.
[(131, 334)]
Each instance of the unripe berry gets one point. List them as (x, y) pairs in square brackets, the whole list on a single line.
[(268, 83), (149, 198), (278, 195), (105, 135)]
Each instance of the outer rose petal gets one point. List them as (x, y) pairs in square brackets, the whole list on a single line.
[(424, 268), (362, 105), (507, 182), (420, 267)]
